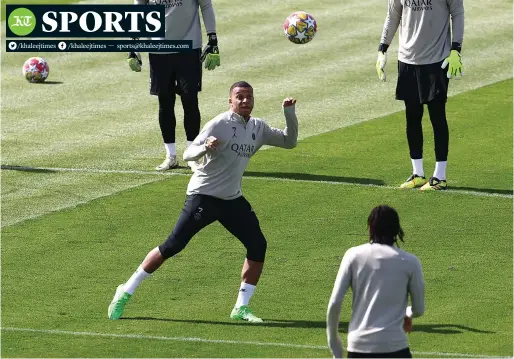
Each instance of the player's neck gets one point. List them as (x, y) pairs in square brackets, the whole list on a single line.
[(245, 119)]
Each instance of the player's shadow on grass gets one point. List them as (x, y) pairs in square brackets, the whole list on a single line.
[(27, 169), (274, 323), (343, 326), (357, 180), (448, 329), (314, 177)]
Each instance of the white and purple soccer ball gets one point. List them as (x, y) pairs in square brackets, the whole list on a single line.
[(36, 70)]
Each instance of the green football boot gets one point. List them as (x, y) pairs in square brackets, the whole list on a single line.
[(118, 303), (244, 313)]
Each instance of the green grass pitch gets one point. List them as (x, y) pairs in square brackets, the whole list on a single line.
[(81, 220)]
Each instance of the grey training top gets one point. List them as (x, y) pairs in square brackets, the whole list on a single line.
[(425, 36), (381, 277), (182, 19), (238, 140)]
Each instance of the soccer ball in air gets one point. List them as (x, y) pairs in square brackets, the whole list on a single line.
[(36, 69), (300, 27)]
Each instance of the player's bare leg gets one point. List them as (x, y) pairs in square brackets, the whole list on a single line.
[(250, 275), (152, 261), (124, 292), (251, 271)]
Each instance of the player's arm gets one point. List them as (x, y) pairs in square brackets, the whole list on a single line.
[(416, 289), (209, 20), (454, 60), (288, 137), (211, 139), (341, 285), (392, 21), (457, 13), (210, 54), (199, 147)]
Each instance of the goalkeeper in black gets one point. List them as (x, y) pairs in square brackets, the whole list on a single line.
[(429, 55), (180, 73)]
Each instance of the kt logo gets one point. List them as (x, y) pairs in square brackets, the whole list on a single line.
[(21, 21)]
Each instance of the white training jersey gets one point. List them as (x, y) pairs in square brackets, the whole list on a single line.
[(221, 174), (425, 36), (381, 277), (182, 19)]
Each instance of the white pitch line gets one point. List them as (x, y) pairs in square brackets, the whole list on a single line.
[(154, 337), (217, 341), (264, 178)]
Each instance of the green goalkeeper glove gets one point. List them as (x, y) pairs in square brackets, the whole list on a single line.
[(211, 54), (454, 63), (382, 61), (134, 59)]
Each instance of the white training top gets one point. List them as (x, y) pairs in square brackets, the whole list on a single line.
[(425, 36), (221, 174), (182, 19), (381, 277)]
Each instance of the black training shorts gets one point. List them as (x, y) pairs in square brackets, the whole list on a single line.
[(179, 72), (404, 353), (421, 83), (236, 215)]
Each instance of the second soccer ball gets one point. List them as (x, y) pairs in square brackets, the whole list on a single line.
[(36, 69), (300, 27)]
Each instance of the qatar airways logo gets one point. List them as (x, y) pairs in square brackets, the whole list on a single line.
[(166, 3), (418, 5), (243, 149)]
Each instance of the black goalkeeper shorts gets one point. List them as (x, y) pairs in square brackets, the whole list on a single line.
[(180, 73), (421, 83)]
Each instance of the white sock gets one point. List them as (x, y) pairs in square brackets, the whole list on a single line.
[(135, 280), (245, 293), (170, 149), (189, 143), (417, 167), (440, 170)]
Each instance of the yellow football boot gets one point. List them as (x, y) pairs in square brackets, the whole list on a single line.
[(414, 181), (434, 184)]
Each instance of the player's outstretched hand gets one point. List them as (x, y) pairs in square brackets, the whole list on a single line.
[(288, 101), (210, 143)]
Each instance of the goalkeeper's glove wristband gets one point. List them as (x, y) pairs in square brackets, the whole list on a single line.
[(383, 47), (211, 54), (382, 61), (134, 59), (456, 46), (454, 62)]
